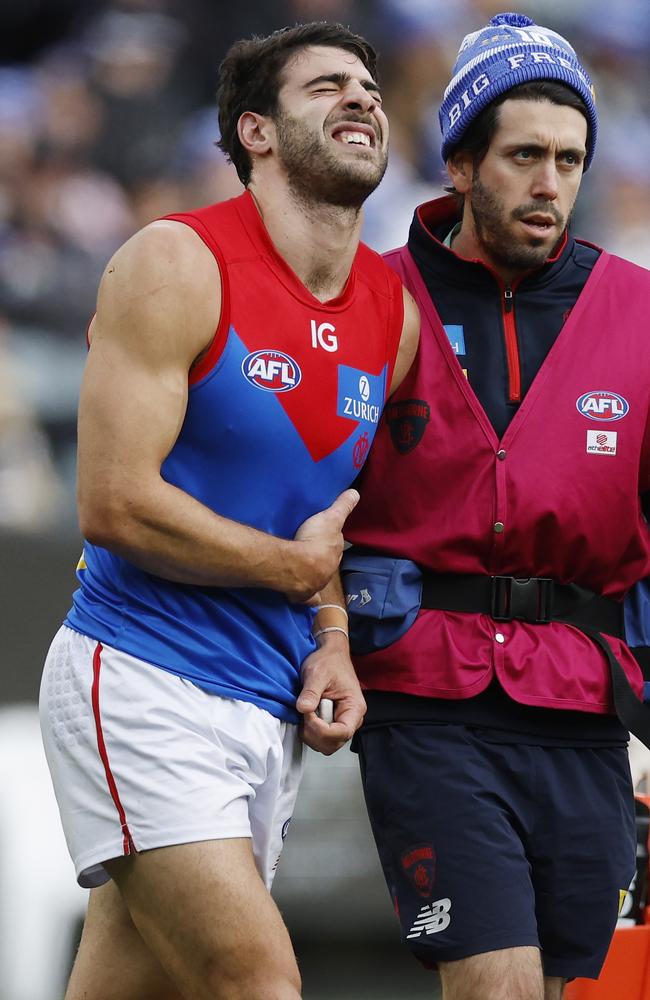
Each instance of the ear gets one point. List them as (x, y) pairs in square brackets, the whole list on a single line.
[(254, 133), (461, 171)]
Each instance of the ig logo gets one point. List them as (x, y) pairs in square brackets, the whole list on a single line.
[(321, 336)]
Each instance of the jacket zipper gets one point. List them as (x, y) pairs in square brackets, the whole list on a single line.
[(512, 346)]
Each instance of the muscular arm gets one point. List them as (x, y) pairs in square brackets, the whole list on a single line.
[(158, 308), (408, 344)]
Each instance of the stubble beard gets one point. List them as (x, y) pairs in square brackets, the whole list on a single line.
[(494, 232), (316, 175)]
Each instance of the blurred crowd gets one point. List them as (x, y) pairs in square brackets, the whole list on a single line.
[(108, 120)]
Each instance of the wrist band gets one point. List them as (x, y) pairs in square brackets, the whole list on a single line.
[(319, 607), (331, 628)]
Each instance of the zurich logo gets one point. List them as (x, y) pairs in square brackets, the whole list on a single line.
[(271, 370), (602, 405)]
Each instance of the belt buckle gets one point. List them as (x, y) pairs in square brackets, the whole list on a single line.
[(526, 600)]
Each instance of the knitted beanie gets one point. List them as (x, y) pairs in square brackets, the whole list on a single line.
[(509, 51)]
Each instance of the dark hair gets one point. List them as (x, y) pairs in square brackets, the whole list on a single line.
[(476, 140), (250, 77)]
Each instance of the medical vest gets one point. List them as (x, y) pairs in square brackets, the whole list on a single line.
[(281, 413), (557, 496)]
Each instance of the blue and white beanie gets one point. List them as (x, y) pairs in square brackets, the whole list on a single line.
[(509, 51)]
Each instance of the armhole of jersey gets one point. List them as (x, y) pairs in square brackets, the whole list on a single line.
[(218, 342), (395, 328)]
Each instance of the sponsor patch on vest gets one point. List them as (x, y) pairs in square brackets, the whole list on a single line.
[(407, 420), (419, 864), (601, 442), (272, 371), (600, 404), (360, 395), (456, 335)]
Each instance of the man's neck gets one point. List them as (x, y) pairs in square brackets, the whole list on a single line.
[(465, 245), (317, 241)]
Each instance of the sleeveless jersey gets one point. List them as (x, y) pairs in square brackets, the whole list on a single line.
[(281, 413), (557, 496)]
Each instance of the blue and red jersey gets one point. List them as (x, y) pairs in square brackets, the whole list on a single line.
[(281, 413)]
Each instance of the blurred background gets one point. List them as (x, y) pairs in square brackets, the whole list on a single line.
[(107, 121)]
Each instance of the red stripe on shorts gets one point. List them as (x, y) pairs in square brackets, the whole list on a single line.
[(126, 833)]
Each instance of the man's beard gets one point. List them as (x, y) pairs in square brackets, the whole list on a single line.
[(316, 175), (494, 229)]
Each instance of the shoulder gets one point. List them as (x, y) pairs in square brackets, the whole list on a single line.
[(376, 272), (158, 279), (165, 249)]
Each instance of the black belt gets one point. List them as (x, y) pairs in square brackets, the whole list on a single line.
[(540, 600)]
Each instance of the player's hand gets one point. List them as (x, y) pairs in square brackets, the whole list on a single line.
[(328, 673), (319, 548)]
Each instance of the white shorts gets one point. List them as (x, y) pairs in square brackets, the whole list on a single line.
[(141, 758)]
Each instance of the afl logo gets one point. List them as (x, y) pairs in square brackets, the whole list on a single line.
[(602, 405), (271, 370)]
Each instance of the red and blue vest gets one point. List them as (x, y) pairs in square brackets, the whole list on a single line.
[(281, 413)]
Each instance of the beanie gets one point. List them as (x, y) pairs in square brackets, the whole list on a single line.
[(509, 51)]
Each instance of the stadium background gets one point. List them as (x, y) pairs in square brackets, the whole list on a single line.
[(107, 121)]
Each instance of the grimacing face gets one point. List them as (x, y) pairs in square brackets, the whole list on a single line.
[(522, 194), (332, 135)]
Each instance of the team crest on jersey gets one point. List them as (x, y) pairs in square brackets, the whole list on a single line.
[(407, 421), (600, 404), (360, 395), (419, 864), (360, 450), (271, 370)]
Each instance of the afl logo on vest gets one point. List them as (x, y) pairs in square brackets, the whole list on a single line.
[(602, 405), (271, 370)]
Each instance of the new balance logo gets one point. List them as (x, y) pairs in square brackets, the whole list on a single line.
[(432, 919)]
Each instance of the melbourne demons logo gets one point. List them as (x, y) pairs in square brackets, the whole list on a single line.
[(271, 370), (601, 405)]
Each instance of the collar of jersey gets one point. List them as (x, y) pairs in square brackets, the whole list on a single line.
[(262, 243)]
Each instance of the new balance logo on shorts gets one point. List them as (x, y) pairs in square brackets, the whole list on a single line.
[(432, 919)]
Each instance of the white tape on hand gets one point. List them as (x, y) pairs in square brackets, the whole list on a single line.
[(325, 710)]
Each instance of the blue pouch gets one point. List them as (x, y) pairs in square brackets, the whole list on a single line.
[(637, 622), (383, 596)]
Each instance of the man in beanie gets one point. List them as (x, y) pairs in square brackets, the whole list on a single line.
[(517, 450)]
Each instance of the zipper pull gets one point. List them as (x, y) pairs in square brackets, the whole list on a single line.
[(507, 294)]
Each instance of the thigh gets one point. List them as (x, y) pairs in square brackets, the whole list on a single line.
[(583, 852), (207, 917), (113, 961), (445, 822)]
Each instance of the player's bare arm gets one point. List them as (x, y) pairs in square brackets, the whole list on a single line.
[(158, 309), (409, 340)]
